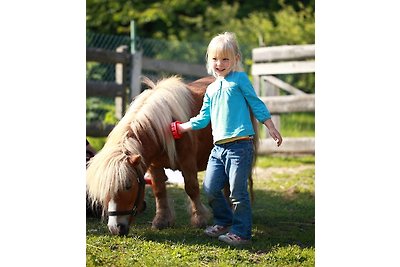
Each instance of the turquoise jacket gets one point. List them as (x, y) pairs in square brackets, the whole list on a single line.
[(226, 104)]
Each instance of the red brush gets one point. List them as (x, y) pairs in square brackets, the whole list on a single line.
[(174, 129)]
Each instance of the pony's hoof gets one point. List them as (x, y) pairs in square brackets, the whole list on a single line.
[(162, 222), (161, 225), (198, 221)]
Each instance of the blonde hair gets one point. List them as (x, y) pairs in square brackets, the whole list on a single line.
[(226, 45)]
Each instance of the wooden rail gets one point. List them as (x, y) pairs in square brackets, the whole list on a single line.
[(98, 129), (290, 145), (283, 67), (286, 59), (181, 68), (283, 85), (107, 56), (290, 103), (106, 89), (283, 53)]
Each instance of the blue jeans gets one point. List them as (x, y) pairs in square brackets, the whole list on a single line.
[(230, 163)]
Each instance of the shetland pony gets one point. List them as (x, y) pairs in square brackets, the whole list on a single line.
[(142, 141)]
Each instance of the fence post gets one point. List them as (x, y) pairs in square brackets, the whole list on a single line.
[(136, 66), (133, 37), (120, 101)]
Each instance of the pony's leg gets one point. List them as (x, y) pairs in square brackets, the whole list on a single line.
[(164, 215), (198, 211)]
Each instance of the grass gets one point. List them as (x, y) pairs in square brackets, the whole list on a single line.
[(301, 124), (283, 227)]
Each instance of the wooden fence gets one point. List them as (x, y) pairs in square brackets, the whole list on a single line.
[(127, 84), (269, 61), (116, 89)]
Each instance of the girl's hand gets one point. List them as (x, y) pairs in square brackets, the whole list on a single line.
[(175, 129), (276, 136), (178, 128), (273, 132)]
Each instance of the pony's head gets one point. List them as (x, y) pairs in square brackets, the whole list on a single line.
[(115, 181), (115, 175)]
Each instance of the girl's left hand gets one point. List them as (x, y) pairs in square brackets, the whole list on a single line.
[(273, 132), (276, 136)]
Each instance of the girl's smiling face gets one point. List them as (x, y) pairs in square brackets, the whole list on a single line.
[(221, 63), (223, 55)]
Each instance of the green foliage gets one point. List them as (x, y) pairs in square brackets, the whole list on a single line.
[(96, 142), (255, 22), (100, 109), (100, 72), (94, 71), (184, 19), (283, 227), (293, 27)]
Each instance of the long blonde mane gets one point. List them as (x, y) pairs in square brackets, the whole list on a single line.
[(151, 112)]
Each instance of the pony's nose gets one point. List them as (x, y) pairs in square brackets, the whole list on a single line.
[(122, 229)]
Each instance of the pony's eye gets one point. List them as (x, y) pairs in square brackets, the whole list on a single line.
[(128, 185)]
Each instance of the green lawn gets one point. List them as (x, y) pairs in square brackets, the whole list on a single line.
[(283, 227), (301, 124)]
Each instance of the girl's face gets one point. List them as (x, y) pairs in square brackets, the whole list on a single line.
[(221, 64)]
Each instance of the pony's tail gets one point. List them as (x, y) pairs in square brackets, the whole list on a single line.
[(256, 143)]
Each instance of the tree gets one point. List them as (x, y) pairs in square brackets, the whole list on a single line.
[(197, 20)]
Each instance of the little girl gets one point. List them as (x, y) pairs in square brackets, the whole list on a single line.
[(227, 103)]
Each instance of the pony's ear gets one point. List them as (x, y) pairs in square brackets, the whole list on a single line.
[(134, 159)]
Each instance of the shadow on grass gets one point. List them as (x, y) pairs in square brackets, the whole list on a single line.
[(279, 219)]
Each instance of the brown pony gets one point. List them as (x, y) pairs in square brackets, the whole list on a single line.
[(142, 141)]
